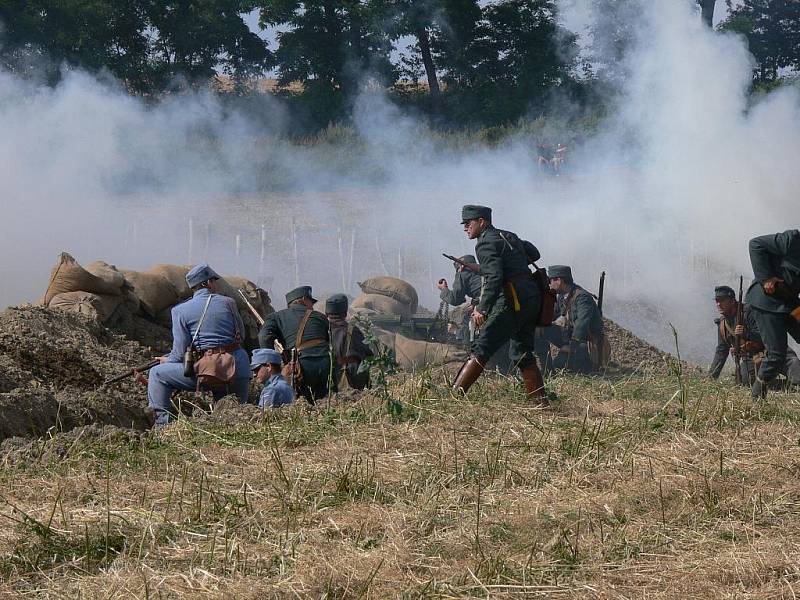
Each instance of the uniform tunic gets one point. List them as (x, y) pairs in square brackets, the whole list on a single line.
[(315, 360), (510, 298), (220, 327), (276, 392), (582, 321), (466, 283), (775, 255), (349, 351), (726, 339)]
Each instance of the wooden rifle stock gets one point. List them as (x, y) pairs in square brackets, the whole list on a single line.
[(141, 368), (252, 308), (469, 266), (738, 338)]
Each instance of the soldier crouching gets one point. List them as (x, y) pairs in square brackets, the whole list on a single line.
[(509, 303), (209, 322), (580, 323)]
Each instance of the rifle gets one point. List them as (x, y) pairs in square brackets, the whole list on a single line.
[(252, 308), (141, 368), (738, 338), (259, 318), (469, 266), (600, 291)]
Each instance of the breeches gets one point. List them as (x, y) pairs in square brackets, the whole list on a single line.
[(166, 378), (774, 328), (504, 324)]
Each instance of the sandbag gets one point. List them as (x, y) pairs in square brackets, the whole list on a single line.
[(96, 306), (392, 287), (176, 275), (383, 305), (416, 354), (69, 276), (108, 273), (155, 293), (259, 298)]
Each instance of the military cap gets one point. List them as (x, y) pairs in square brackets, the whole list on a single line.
[(336, 304), (473, 211), (264, 356), (304, 291), (560, 271), (724, 291), (199, 274)]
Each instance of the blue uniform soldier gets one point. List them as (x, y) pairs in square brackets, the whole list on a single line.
[(209, 322), (267, 366), (774, 298)]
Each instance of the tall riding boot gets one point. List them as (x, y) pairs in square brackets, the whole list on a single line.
[(534, 384), (467, 375)]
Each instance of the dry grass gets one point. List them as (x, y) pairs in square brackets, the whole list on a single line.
[(623, 490)]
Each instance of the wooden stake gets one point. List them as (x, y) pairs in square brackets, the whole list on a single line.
[(295, 254), (341, 260), (352, 256), (380, 255)]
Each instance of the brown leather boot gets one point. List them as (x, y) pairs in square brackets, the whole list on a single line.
[(534, 384), (467, 375)]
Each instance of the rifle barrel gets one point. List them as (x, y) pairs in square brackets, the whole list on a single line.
[(128, 373)]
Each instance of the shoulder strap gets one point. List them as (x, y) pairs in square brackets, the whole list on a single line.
[(200, 322), (301, 329)]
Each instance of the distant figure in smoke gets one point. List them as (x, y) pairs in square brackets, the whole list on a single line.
[(509, 303), (579, 324), (211, 323), (302, 329), (774, 297), (545, 157), (266, 364), (347, 341), (466, 283)]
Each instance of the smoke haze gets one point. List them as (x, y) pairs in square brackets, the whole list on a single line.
[(664, 198)]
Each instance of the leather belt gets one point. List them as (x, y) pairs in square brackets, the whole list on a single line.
[(222, 349)]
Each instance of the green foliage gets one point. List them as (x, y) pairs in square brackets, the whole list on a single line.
[(772, 29)]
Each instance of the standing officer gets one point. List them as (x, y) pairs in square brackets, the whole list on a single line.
[(276, 392), (299, 327), (466, 283), (509, 304), (347, 340), (773, 297), (207, 321), (581, 321)]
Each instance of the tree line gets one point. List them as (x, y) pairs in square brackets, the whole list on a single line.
[(485, 63)]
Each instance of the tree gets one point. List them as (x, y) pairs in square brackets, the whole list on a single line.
[(772, 29), (328, 44), (196, 38)]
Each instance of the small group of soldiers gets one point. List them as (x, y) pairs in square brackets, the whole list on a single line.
[(756, 333), (506, 306), (319, 351)]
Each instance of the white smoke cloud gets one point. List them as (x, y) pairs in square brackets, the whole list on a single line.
[(664, 198)]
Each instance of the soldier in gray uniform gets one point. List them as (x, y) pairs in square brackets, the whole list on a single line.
[(774, 297), (299, 327), (347, 341), (509, 304), (752, 348), (580, 322), (466, 283)]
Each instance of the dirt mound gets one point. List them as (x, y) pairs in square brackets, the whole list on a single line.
[(53, 364), (630, 353)]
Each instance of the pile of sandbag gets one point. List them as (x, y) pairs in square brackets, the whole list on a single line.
[(386, 296), (101, 291), (417, 354)]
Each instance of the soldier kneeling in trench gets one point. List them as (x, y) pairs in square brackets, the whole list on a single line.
[(209, 323)]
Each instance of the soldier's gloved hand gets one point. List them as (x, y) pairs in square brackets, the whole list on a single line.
[(478, 318), (738, 330)]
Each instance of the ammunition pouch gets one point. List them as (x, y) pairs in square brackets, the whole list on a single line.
[(216, 366)]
